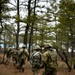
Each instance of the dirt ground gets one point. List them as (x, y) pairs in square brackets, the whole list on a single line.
[(11, 70)]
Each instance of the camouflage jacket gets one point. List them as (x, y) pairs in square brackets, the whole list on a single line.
[(23, 53), (36, 58), (49, 59), (8, 52)]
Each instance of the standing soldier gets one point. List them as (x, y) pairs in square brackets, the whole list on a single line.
[(8, 54), (15, 56), (23, 53), (36, 60), (49, 59)]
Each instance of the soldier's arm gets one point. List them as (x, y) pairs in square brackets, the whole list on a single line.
[(43, 62), (31, 58), (26, 52), (56, 60)]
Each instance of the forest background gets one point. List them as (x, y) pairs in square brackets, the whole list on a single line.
[(37, 22)]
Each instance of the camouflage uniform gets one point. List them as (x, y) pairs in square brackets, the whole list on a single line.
[(49, 59), (36, 60), (8, 54), (15, 56), (23, 53)]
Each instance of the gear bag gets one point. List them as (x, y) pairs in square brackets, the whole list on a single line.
[(36, 59)]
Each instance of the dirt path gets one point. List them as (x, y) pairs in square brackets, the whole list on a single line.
[(11, 70)]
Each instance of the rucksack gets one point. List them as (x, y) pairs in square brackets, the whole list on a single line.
[(51, 60), (36, 59)]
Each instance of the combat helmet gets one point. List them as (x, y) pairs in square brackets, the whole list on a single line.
[(37, 47), (23, 46), (47, 45), (10, 48)]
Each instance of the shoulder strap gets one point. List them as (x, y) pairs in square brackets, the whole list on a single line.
[(49, 58)]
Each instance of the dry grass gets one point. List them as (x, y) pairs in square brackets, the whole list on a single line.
[(11, 70)]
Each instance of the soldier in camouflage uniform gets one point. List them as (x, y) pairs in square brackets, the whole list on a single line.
[(36, 60), (23, 54), (8, 54), (15, 57), (49, 59)]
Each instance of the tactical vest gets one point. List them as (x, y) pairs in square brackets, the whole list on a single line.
[(36, 59), (51, 60), (22, 54)]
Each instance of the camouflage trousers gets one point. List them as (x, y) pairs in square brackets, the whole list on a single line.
[(15, 61), (35, 69), (22, 64), (7, 59), (50, 72), (35, 72)]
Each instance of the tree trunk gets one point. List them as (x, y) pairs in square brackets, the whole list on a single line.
[(26, 35), (64, 59), (30, 40), (4, 49), (17, 34), (28, 24), (1, 29), (72, 45), (31, 33)]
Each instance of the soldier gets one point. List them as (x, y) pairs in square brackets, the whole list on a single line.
[(8, 54), (49, 59), (15, 56), (23, 54), (36, 60)]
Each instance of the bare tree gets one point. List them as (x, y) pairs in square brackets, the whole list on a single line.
[(28, 23), (18, 28), (31, 32)]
